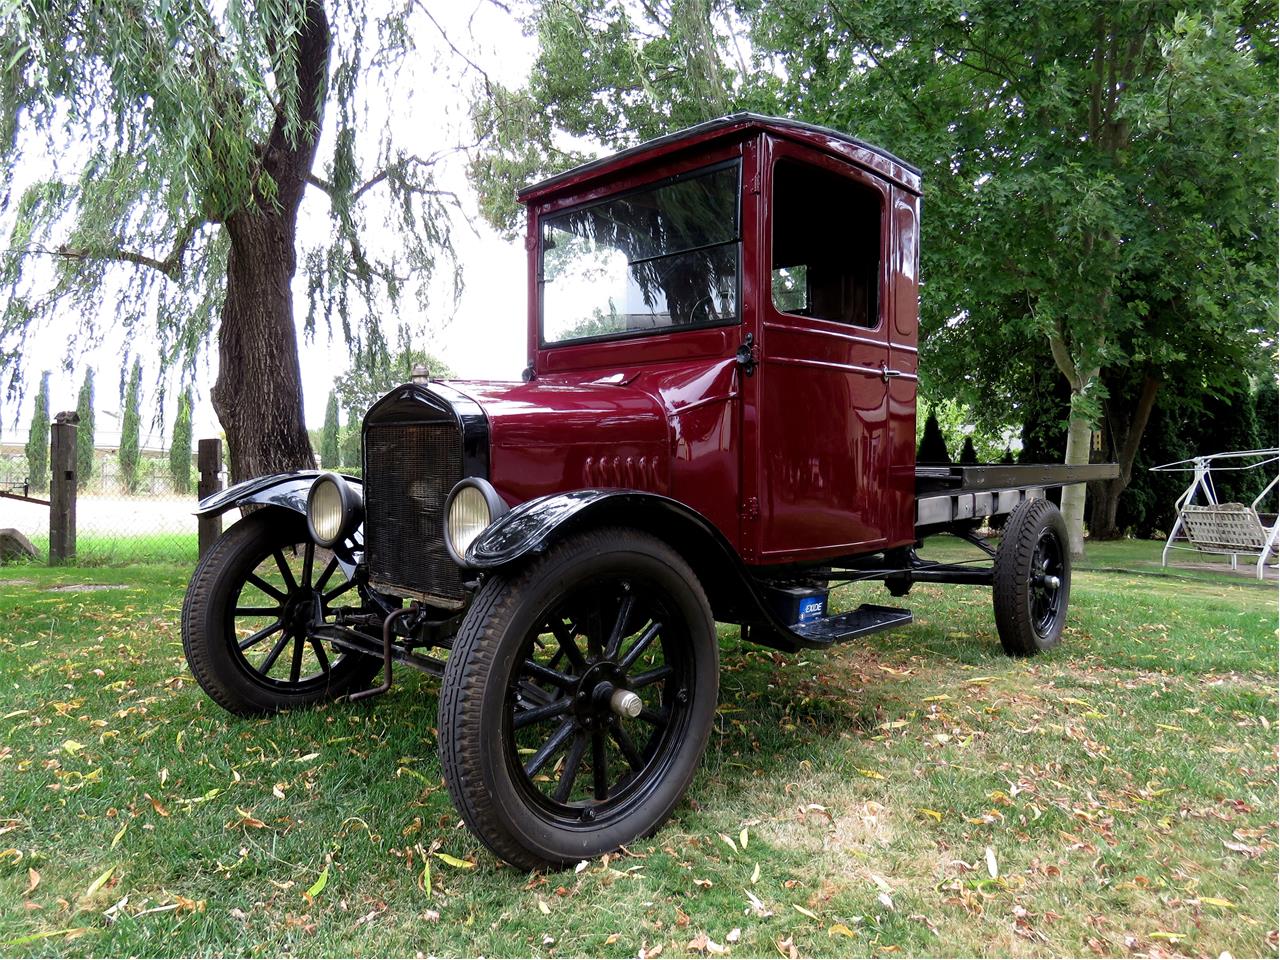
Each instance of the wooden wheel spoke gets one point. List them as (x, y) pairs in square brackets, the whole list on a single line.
[(599, 766), (651, 676), (572, 762), (619, 627), (317, 647), (274, 655), (624, 743), (287, 574), (338, 591), (564, 637), (295, 666), (266, 588), (658, 718), (546, 674), (257, 611), (545, 712), (308, 561), (548, 749), (255, 638), (641, 644), (325, 574)]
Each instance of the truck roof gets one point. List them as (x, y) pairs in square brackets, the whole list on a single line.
[(731, 127)]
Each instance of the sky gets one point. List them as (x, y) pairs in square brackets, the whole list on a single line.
[(483, 338)]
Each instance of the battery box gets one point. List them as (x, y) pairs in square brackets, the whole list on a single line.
[(796, 604)]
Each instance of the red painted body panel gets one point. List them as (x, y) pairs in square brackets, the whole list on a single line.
[(810, 457)]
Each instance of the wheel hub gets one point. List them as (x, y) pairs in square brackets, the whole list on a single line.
[(301, 611), (596, 690)]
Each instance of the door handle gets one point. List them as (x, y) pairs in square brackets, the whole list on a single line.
[(886, 374), (746, 355)]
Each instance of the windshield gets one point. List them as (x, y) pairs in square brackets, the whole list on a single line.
[(650, 260)]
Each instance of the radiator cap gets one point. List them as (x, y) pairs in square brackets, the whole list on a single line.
[(421, 373)]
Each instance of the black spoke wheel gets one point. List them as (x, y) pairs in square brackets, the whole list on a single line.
[(578, 698), (1032, 579), (250, 613)]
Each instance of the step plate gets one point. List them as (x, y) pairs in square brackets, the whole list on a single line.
[(868, 618)]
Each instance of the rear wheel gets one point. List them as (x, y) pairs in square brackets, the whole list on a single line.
[(578, 697), (249, 613), (1032, 579)]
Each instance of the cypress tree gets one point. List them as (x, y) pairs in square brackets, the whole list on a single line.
[(84, 432), (329, 453), (933, 447), (38, 439), (351, 442), (180, 448), (129, 427)]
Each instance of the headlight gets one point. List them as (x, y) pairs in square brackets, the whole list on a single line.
[(334, 509), (473, 504)]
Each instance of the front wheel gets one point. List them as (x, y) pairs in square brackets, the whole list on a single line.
[(578, 698), (249, 613), (1032, 579)]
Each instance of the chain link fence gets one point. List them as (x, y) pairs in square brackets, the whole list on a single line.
[(148, 521)]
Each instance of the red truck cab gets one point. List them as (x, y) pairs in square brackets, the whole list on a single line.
[(770, 383)]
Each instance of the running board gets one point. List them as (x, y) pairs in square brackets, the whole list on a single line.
[(868, 618)]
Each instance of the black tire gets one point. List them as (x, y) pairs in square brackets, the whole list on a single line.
[(584, 599), (1033, 554), (213, 617)]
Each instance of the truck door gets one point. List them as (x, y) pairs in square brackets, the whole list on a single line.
[(821, 397)]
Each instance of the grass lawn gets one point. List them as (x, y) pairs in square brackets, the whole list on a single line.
[(912, 794)]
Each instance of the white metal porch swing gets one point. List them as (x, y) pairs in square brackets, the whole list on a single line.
[(1228, 529)]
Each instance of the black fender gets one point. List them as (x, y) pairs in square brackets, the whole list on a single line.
[(532, 527), (288, 490)]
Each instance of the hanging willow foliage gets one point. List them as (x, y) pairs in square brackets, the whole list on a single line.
[(141, 141)]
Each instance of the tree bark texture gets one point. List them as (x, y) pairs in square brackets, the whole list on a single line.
[(1124, 424), (258, 393), (1079, 437)]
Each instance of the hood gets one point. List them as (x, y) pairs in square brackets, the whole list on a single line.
[(561, 410)]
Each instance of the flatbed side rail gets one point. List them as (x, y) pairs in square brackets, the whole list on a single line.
[(947, 495), (979, 477)]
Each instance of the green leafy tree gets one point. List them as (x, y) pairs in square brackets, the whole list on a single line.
[(84, 430), (372, 376), (130, 422), (1100, 182), (180, 447), (188, 135), (38, 439), (329, 454)]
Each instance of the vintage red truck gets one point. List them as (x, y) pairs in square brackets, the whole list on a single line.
[(717, 422)]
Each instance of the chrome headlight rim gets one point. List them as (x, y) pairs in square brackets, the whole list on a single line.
[(493, 501), (350, 505)]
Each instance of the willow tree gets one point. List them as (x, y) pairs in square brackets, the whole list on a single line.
[(168, 149)]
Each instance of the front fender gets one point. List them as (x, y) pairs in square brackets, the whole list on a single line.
[(288, 490), (533, 526)]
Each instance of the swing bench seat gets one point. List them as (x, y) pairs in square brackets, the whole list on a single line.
[(1224, 528)]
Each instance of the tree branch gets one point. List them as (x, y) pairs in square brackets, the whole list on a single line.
[(1062, 357), (488, 85), (170, 266)]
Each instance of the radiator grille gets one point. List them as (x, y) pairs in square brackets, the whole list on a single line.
[(409, 470)]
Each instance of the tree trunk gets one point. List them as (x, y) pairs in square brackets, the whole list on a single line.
[(1079, 436), (258, 394), (1125, 423)]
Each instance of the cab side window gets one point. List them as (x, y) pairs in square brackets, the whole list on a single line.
[(826, 246)]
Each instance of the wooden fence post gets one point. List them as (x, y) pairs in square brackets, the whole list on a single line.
[(62, 489), (209, 463)]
